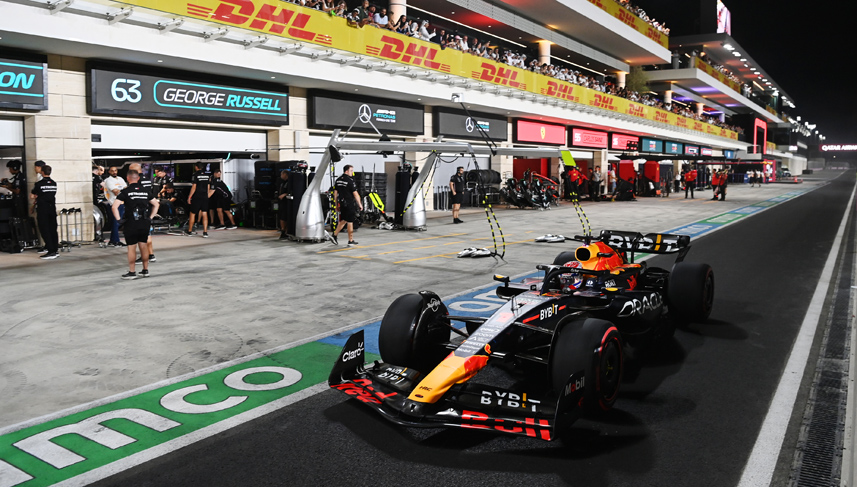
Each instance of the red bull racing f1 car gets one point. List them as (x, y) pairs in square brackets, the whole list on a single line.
[(571, 327)]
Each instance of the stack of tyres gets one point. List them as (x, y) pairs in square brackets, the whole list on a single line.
[(266, 179)]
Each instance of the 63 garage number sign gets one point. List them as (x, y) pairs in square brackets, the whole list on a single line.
[(117, 92)]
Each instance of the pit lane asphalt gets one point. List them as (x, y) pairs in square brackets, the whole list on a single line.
[(689, 417)]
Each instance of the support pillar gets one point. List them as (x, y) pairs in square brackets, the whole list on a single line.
[(668, 97), (544, 52), (397, 9), (620, 79), (699, 107)]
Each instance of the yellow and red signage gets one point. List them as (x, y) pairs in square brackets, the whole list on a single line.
[(709, 69), (625, 16), (302, 24)]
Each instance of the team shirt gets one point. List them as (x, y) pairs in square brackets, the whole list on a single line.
[(136, 199), (201, 179), (345, 188), (221, 190), (46, 192), (457, 181)]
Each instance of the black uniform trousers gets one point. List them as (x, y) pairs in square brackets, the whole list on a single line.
[(47, 221)]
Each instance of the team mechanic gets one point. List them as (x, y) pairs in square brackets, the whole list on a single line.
[(198, 199), (147, 183), (345, 193), (44, 194), (137, 201), (456, 186)]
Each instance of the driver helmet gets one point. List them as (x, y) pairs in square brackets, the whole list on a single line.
[(572, 281)]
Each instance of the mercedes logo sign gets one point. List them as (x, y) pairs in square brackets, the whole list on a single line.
[(364, 113), (468, 124)]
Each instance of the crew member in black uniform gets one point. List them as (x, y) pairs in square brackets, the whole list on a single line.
[(150, 187), (44, 195), (348, 199), (198, 199), (456, 186), (97, 184), (160, 180), (140, 207), (282, 203), (15, 184), (221, 201)]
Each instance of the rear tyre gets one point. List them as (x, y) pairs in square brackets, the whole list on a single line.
[(413, 334), (691, 292), (594, 347)]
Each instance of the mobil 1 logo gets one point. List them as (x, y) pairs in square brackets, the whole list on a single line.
[(126, 93)]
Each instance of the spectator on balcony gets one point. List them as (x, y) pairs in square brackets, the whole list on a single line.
[(340, 9), (424, 33), (402, 25), (381, 19)]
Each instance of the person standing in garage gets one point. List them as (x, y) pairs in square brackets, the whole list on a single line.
[(346, 195), (282, 200), (113, 185), (456, 187), (198, 199), (148, 185), (140, 208), (44, 194)]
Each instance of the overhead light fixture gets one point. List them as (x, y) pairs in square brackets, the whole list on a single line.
[(752, 69), (728, 47)]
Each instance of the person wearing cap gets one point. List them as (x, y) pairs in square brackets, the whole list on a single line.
[(456, 188), (44, 195), (15, 184)]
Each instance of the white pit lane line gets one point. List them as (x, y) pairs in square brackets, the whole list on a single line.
[(759, 469)]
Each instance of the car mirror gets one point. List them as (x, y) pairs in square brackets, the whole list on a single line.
[(503, 279)]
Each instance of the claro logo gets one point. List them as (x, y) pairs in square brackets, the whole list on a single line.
[(275, 19), (353, 354)]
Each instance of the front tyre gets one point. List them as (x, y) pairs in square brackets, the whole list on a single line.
[(591, 348), (690, 292), (414, 332)]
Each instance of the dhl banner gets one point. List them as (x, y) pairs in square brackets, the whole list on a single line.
[(633, 21), (313, 26), (700, 64)]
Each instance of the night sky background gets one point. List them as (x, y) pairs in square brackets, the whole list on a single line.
[(807, 47)]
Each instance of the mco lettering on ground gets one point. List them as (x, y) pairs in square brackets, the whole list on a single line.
[(66, 447)]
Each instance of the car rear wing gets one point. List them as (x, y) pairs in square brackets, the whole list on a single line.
[(651, 243)]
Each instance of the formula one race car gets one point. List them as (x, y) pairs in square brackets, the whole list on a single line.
[(573, 325)]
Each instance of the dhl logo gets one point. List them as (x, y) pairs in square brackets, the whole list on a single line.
[(503, 76), (269, 18), (661, 117), (564, 91), (681, 122), (710, 129), (627, 18), (653, 34), (603, 101), (598, 4), (697, 126), (637, 111), (416, 54)]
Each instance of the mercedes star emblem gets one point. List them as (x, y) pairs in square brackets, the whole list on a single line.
[(468, 124), (364, 113)]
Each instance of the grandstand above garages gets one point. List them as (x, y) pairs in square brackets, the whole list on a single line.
[(715, 70), (600, 31)]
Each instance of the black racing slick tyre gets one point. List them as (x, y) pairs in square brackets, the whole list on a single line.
[(690, 292), (413, 332), (593, 347), (564, 257)]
